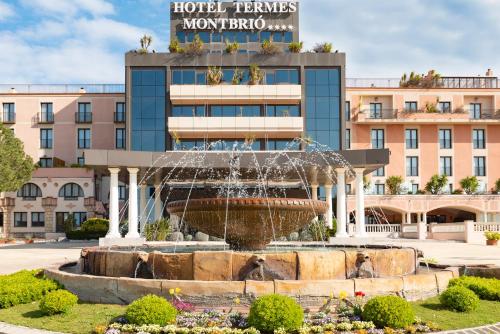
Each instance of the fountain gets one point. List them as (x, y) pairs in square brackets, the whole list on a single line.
[(249, 200)]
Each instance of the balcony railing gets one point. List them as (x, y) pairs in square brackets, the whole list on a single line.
[(119, 117), (64, 89), (460, 114), (83, 117), (45, 118), (380, 114), (443, 82), (8, 118)]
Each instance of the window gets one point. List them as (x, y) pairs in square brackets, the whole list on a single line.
[(235, 111), (348, 139), (46, 113), (377, 138), (445, 138), (84, 113), (375, 110), (46, 138), (79, 218), (189, 77), (414, 188), (29, 191), (480, 166), (187, 145), (444, 107), (347, 111), (445, 167), (71, 191), (9, 113), (411, 106), (348, 189), (281, 76), (475, 110), (282, 145), (46, 163), (122, 193), (81, 161), (83, 138), (478, 139), (411, 166), (120, 112), (379, 171), (411, 136), (20, 219), (379, 189), (282, 111), (37, 219), (188, 111), (120, 138)]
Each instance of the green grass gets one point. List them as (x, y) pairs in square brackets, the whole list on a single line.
[(488, 312), (82, 319)]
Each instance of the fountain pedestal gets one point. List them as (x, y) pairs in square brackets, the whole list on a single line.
[(109, 242)]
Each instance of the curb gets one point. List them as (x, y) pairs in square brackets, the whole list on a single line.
[(13, 329), (487, 329)]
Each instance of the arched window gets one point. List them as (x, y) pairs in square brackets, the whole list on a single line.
[(29, 191), (71, 191)]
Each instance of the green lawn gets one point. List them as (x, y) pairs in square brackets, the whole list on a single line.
[(82, 319), (488, 312)]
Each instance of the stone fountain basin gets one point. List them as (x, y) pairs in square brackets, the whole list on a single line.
[(252, 223)]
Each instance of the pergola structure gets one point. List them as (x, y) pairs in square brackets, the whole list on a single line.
[(322, 169)]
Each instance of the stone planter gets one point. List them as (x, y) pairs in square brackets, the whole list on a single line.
[(7, 241), (491, 242)]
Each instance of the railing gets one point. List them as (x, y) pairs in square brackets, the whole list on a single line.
[(409, 228), (486, 227), (484, 114), (45, 118), (380, 114), (63, 88), (383, 228), (83, 117), (444, 82), (447, 228)]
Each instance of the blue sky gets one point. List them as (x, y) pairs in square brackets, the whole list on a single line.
[(83, 41)]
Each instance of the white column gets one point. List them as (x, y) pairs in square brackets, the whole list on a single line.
[(114, 215), (403, 218), (485, 217), (341, 204), (424, 217), (132, 204), (314, 191), (408, 218), (360, 204), (142, 205), (329, 213)]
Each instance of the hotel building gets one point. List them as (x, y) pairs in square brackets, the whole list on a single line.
[(169, 103)]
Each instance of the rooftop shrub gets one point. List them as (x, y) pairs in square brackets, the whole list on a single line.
[(195, 48), (269, 48), (484, 288), (151, 310), (232, 47), (272, 312), (295, 47), (460, 299), (56, 302), (389, 311), (323, 48), (24, 287)]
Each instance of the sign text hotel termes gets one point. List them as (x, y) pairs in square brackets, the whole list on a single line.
[(244, 23)]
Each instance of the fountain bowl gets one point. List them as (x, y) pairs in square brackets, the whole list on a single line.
[(252, 223)]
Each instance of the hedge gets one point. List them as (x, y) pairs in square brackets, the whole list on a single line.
[(24, 287), (484, 288)]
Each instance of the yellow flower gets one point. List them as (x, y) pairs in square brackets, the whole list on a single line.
[(237, 301), (177, 290), (331, 295), (325, 301), (171, 291), (342, 295)]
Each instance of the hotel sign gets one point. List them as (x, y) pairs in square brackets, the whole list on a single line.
[(248, 15)]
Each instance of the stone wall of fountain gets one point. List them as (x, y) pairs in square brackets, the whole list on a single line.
[(307, 264)]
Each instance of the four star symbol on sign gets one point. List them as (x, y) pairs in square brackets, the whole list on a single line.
[(281, 27)]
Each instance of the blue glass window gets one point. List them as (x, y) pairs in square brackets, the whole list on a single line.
[(265, 35), (181, 36), (188, 111), (216, 37), (277, 36), (229, 36), (190, 36), (204, 36), (241, 37), (323, 106), (282, 111), (282, 145), (288, 37), (227, 75), (148, 107), (253, 37)]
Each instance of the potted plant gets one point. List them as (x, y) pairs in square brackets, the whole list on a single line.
[(237, 77), (295, 47), (175, 46), (214, 75), (195, 48), (492, 238), (256, 75), (232, 48), (323, 48), (269, 48), (145, 43)]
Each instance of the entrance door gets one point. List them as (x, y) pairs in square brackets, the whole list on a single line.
[(60, 219), (1, 223)]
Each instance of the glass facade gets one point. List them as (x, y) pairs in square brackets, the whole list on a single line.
[(235, 36), (198, 76), (323, 106), (148, 110)]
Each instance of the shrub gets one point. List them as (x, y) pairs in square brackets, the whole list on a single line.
[(95, 225), (492, 235), (160, 230), (195, 48), (295, 47), (59, 301), (271, 312), (469, 184), (81, 235), (319, 231), (459, 298), (214, 75), (175, 46), (151, 310), (269, 48), (24, 287), (436, 184), (232, 47), (256, 75), (497, 186), (323, 48), (394, 185), (389, 311), (484, 288)]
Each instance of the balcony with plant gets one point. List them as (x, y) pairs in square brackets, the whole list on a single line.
[(195, 48), (214, 75), (269, 48)]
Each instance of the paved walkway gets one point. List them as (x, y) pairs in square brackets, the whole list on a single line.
[(491, 329), (38, 255), (445, 252)]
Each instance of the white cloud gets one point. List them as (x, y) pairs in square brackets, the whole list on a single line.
[(6, 11), (70, 7)]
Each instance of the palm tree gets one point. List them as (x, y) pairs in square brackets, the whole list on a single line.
[(146, 41)]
